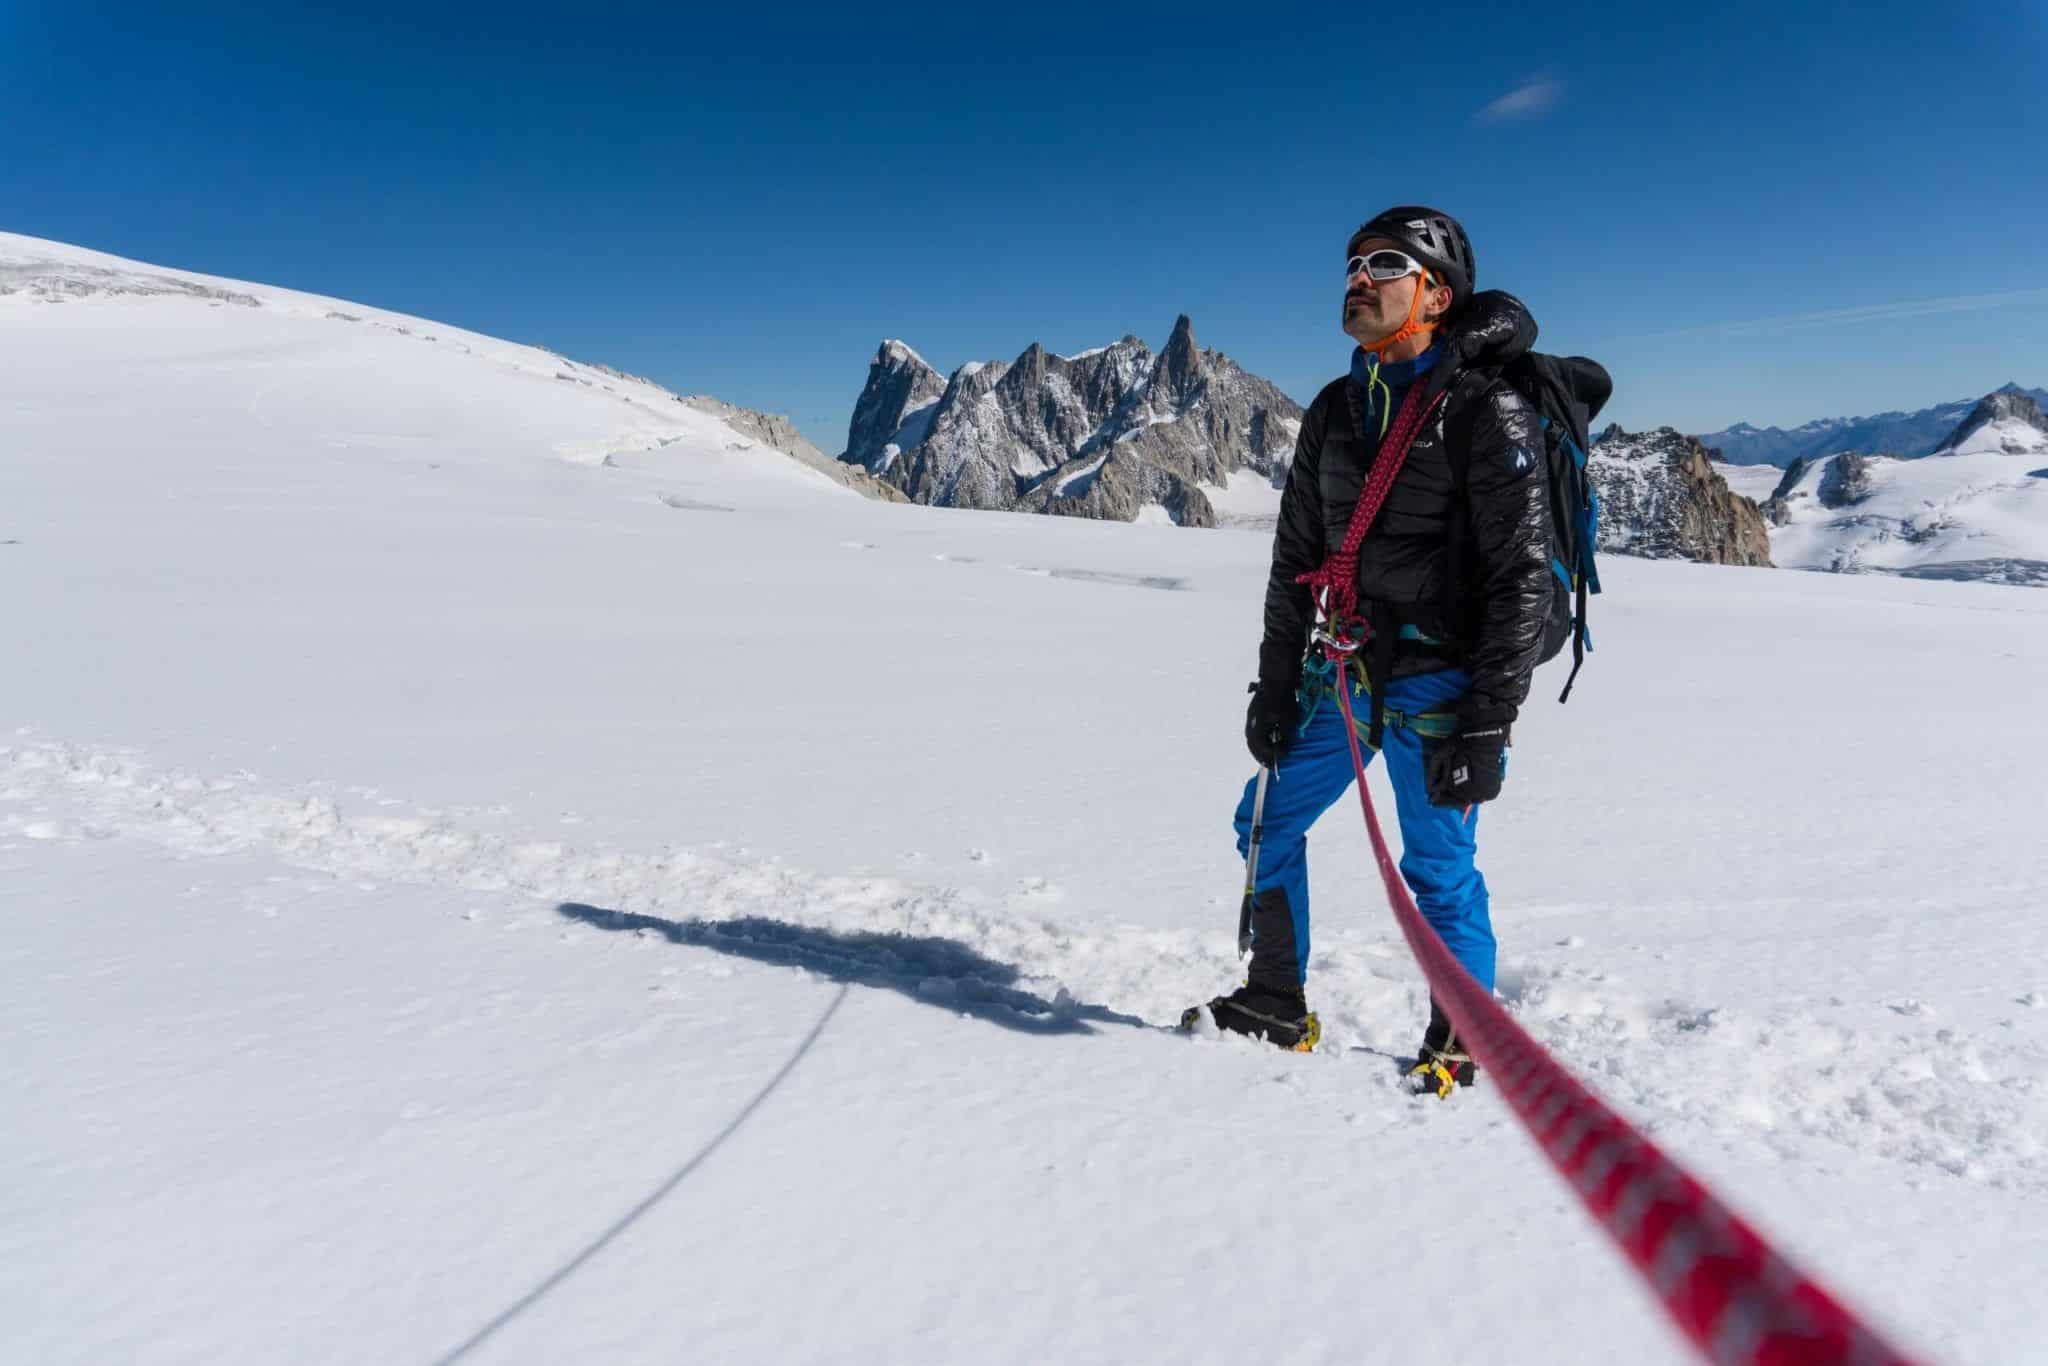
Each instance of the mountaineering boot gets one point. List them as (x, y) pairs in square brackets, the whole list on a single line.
[(1281, 1018), (1443, 1065), (1270, 1004)]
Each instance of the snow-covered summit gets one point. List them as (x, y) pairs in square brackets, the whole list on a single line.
[(308, 369), (1976, 509), (2005, 422)]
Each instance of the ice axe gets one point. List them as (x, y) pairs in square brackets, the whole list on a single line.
[(1251, 864)]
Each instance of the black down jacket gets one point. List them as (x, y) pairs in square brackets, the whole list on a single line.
[(1462, 549)]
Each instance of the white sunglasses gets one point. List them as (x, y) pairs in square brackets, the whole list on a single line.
[(1384, 265)]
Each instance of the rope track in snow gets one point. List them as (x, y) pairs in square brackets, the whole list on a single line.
[(653, 1198)]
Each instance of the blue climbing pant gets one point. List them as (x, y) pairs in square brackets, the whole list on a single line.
[(1438, 843)]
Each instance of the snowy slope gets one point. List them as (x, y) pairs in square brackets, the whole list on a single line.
[(425, 846), (1975, 509), (231, 358), (1980, 512), (1753, 482)]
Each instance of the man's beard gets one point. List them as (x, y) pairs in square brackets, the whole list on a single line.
[(1363, 315)]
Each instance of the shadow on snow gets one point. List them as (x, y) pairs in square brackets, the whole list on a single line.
[(943, 973)]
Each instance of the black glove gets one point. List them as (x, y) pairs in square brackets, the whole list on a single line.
[(1468, 767), (1270, 720)]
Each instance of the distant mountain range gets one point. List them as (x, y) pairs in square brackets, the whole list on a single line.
[(1977, 508), (1186, 435), (1906, 434), (1115, 433)]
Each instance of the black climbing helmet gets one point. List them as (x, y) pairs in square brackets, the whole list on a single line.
[(1432, 237)]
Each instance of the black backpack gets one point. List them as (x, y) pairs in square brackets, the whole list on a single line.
[(1567, 393)]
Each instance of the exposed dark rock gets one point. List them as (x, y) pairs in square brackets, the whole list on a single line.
[(900, 388), (1661, 498), (1103, 434), (1846, 481), (2013, 407)]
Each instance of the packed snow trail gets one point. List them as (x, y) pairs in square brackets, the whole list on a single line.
[(1876, 1090), (1033, 979)]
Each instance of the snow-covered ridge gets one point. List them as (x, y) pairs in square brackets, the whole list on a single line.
[(2004, 423), (1897, 433), (58, 272), (106, 311), (1975, 509)]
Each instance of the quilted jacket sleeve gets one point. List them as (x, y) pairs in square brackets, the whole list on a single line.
[(1511, 535), (1297, 549)]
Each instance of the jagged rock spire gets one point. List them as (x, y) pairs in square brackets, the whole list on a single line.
[(1099, 434), (899, 384)]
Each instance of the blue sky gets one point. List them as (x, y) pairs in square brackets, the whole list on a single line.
[(1761, 212)]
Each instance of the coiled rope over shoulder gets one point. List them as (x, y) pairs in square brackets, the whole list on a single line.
[(1334, 584)]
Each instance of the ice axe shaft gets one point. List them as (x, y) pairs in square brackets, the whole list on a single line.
[(1251, 863)]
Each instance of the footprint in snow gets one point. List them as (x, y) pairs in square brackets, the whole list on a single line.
[(682, 504), (1163, 582)]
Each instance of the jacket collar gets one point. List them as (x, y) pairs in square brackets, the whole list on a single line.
[(1394, 372), (1489, 331)]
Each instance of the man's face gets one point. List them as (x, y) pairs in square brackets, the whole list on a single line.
[(1373, 308)]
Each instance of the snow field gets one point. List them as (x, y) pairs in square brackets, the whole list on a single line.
[(423, 840), (1974, 505)]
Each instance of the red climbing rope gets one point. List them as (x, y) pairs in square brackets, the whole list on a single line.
[(1334, 584), (1729, 1291)]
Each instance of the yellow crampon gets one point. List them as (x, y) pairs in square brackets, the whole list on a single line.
[(1435, 1077), (1311, 1034)]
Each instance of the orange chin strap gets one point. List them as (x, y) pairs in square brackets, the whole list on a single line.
[(1408, 329)]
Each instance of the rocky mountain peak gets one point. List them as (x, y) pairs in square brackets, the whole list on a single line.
[(900, 387), (1661, 497), (1104, 433), (896, 353), (2018, 425), (1028, 370), (1179, 371)]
